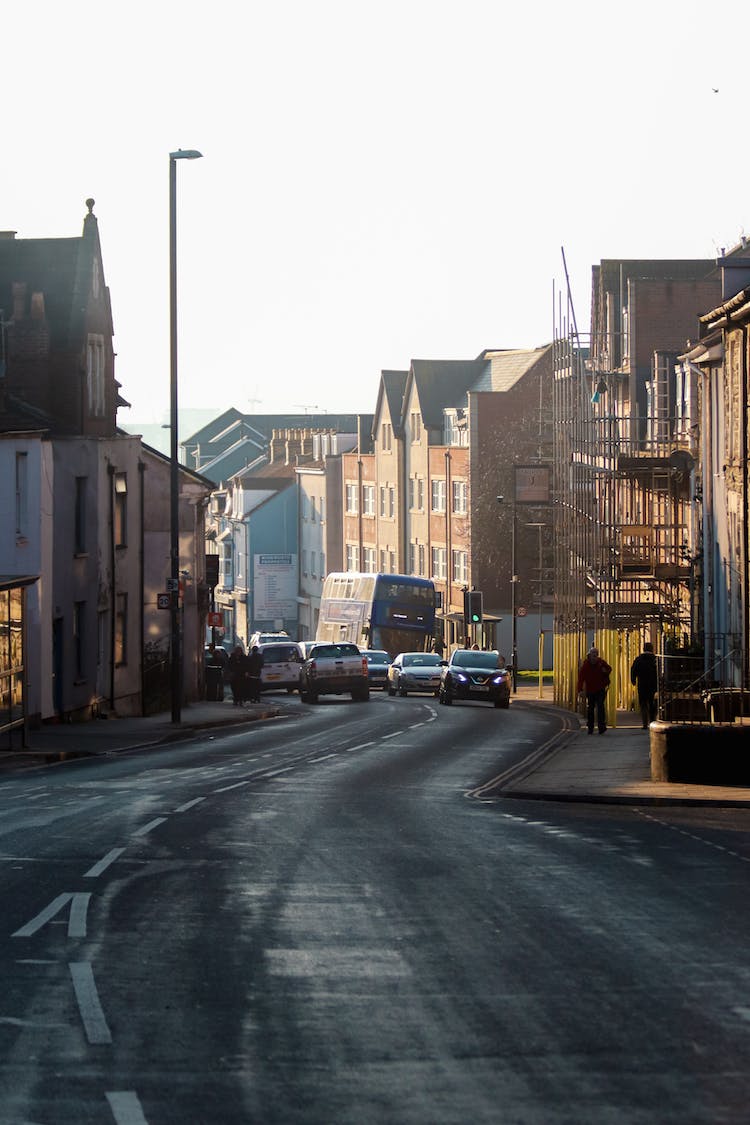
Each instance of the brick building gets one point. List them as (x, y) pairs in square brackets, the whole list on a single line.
[(446, 437)]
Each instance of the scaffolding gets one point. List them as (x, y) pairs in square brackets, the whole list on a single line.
[(625, 536)]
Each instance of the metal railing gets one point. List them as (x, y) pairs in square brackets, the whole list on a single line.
[(693, 691)]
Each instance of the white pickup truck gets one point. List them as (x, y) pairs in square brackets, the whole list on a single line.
[(334, 669)]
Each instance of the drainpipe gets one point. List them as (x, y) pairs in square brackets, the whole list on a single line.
[(359, 512), (142, 578), (447, 533), (746, 532), (113, 585)]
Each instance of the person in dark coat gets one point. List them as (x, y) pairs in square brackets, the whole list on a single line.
[(254, 669), (593, 679), (238, 675), (643, 673)]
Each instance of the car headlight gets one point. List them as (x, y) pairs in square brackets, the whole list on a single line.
[(460, 676), (498, 679)]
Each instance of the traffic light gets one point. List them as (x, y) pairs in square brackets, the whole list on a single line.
[(472, 607)]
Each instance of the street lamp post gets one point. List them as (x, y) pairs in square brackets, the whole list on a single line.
[(174, 474), (513, 581), (540, 527), (514, 624)]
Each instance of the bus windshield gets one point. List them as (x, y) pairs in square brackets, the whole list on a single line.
[(394, 612)]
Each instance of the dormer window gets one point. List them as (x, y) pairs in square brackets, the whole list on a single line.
[(455, 428)]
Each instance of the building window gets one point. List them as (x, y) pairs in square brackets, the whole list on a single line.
[(383, 501), (79, 639), (79, 530), (312, 564), (352, 557), (352, 500), (322, 509), (392, 557), (369, 560), (368, 499), (322, 565), (412, 558), (121, 509), (416, 493), (438, 563), (455, 429), (460, 567), (121, 629), (459, 489), (386, 436), (22, 493), (391, 502), (312, 509), (303, 506), (303, 560), (421, 559), (438, 495), (416, 425), (95, 375)]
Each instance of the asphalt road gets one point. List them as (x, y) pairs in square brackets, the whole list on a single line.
[(312, 921)]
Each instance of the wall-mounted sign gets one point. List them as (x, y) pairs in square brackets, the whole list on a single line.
[(533, 484), (275, 587)]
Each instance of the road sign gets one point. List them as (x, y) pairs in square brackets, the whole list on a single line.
[(521, 611), (164, 601), (216, 619), (173, 585)]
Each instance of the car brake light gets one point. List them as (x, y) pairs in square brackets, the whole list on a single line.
[(313, 669), (365, 666)]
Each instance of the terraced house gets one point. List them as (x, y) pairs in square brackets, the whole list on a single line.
[(446, 438)]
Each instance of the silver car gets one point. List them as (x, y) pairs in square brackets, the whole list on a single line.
[(415, 671)]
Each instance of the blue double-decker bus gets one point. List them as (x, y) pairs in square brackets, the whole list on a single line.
[(395, 612)]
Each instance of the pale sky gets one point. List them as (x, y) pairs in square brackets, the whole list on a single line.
[(381, 181)]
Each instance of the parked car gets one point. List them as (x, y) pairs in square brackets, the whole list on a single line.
[(415, 671), (281, 665), (333, 669), (378, 663), (472, 674), (259, 638)]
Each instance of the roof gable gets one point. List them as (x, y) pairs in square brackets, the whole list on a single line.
[(441, 383), (504, 369)]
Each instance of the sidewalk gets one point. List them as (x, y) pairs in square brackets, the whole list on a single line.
[(614, 767), (572, 766), (58, 742)]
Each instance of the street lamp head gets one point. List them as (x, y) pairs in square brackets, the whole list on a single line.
[(185, 154)]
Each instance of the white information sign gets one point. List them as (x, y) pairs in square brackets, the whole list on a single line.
[(275, 586)]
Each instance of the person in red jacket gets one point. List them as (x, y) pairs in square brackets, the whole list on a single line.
[(593, 679)]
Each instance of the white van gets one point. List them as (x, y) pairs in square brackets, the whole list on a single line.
[(282, 661)]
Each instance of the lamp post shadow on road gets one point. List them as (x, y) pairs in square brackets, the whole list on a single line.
[(175, 645)]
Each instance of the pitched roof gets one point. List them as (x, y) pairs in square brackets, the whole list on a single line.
[(391, 388), (506, 368), (60, 268), (441, 383)]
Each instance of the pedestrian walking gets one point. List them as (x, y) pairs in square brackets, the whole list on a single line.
[(643, 674), (593, 679), (238, 675), (254, 669)]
